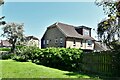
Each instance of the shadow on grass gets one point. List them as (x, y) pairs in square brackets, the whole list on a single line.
[(82, 75), (91, 76)]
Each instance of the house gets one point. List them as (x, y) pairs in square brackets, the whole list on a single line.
[(5, 43), (100, 46), (32, 41), (68, 36)]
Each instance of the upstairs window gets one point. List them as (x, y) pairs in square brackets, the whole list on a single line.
[(56, 40), (47, 42), (86, 32), (44, 42), (61, 40), (89, 42)]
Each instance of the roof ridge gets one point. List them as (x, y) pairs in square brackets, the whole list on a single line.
[(57, 23)]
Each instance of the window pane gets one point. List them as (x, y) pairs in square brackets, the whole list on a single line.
[(47, 41), (89, 42), (61, 40), (43, 41), (56, 40)]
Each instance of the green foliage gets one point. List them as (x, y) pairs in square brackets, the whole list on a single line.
[(110, 27), (25, 53), (62, 58), (4, 49), (13, 32), (6, 55)]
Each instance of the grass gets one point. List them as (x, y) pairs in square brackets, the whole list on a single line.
[(13, 69)]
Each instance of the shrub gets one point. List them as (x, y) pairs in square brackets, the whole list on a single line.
[(25, 53), (62, 58), (4, 49), (6, 55)]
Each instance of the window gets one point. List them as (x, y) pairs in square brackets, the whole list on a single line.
[(81, 43), (56, 40), (74, 43), (47, 42), (86, 32), (61, 40), (89, 42), (44, 42)]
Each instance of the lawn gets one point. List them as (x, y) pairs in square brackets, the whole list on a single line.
[(13, 69)]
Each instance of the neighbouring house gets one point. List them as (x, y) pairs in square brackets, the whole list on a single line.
[(68, 36), (32, 41), (5, 43), (100, 46)]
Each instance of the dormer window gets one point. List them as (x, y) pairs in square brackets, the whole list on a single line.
[(86, 32)]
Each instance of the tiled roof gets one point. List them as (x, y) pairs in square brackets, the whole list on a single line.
[(69, 31), (5, 43)]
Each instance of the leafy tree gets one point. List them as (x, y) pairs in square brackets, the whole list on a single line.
[(2, 22), (13, 32), (110, 27), (1, 2)]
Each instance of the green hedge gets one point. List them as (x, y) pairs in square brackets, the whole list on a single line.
[(62, 58), (4, 49)]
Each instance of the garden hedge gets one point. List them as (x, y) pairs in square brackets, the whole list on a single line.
[(62, 58)]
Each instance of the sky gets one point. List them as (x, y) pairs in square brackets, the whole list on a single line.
[(38, 15)]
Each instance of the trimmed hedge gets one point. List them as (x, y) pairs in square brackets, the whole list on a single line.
[(62, 58), (4, 49)]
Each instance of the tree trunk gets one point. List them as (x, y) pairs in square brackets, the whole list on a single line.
[(13, 46)]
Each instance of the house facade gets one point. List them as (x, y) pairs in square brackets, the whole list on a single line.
[(68, 36), (32, 41)]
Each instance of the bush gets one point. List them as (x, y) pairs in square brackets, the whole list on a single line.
[(4, 49), (62, 58), (25, 53), (6, 55)]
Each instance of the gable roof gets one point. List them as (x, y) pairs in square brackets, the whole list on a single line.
[(69, 31)]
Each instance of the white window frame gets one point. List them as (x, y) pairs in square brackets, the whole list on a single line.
[(47, 42)]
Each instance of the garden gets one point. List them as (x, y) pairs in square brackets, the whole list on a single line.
[(32, 62), (59, 63)]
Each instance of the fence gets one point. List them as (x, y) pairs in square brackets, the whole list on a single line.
[(105, 63)]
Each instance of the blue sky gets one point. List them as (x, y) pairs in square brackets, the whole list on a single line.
[(37, 16)]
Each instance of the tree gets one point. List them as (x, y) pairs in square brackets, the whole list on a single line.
[(2, 22), (109, 28), (1, 2), (13, 32)]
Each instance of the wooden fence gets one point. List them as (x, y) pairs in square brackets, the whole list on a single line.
[(105, 63)]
